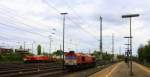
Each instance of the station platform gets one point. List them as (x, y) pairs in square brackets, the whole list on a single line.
[(122, 69)]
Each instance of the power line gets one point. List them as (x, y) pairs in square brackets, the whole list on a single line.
[(27, 30), (81, 19), (82, 28), (23, 23), (69, 19), (68, 5), (6, 25), (17, 21), (9, 14), (53, 7), (16, 28)]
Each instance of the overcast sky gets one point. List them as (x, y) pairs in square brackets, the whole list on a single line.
[(33, 21)]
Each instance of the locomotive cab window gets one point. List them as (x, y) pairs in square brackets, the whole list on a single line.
[(70, 57)]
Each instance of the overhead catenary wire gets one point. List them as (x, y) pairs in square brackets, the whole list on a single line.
[(17, 21), (53, 7), (29, 31), (72, 9), (49, 4), (15, 17)]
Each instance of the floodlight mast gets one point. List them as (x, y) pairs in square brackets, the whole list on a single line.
[(64, 15)]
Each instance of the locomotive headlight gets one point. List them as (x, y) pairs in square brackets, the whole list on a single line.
[(70, 62)]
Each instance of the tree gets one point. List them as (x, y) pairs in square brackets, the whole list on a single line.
[(147, 52), (144, 53), (105, 56), (39, 49), (97, 54), (45, 53), (58, 53), (140, 53), (120, 57)]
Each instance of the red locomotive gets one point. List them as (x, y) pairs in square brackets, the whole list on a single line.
[(38, 58), (78, 60)]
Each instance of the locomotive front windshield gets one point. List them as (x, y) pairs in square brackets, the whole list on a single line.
[(70, 57)]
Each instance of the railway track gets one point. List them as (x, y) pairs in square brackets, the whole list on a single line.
[(32, 73), (43, 70), (29, 70), (21, 65), (26, 69), (89, 71)]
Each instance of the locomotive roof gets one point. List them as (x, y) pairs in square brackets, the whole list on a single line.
[(35, 55), (80, 54)]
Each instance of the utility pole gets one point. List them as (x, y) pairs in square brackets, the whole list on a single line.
[(101, 47), (60, 46), (70, 45), (53, 33), (113, 47), (43, 50), (50, 42), (120, 50), (24, 45), (18, 45), (33, 47), (64, 14)]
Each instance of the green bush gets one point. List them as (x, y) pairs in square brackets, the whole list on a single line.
[(106, 56), (10, 57)]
